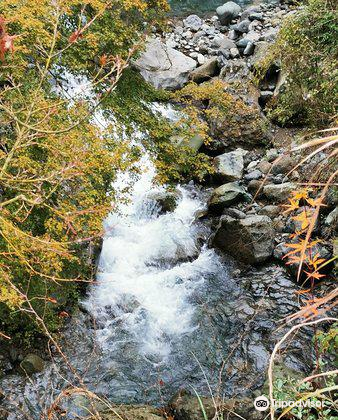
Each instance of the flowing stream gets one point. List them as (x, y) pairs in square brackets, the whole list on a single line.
[(163, 315)]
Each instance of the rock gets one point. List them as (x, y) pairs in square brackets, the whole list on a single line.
[(284, 165), (332, 218), (264, 166), (254, 185), (234, 52), (249, 49), (280, 192), (32, 363), (250, 240), (271, 211), (229, 166), (255, 174), (242, 123), (223, 42), (164, 67), (165, 200), (229, 11), (224, 196), (193, 22), (195, 142), (242, 27), (205, 71), (261, 51), (200, 59), (235, 213), (249, 11), (234, 70), (271, 154)]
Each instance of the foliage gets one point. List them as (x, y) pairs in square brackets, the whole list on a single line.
[(306, 49), (56, 161), (220, 110), (132, 106), (318, 407)]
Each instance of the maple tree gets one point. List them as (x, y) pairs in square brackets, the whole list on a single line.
[(57, 162)]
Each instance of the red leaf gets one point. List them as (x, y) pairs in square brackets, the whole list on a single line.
[(75, 36)]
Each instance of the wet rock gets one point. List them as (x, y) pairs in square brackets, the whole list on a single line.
[(279, 192), (164, 67), (229, 166), (32, 363), (165, 200), (249, 240), (206, 71), (228, 12), (224, 196), (193, 22)]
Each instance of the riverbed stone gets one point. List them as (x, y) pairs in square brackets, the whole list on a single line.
[(32, 363), (165, 200), (226, 195), (227, 12), (279, 192), (206, 71), (164, 67), (250, 240), (193, 22), (229, 166), (131, 412)]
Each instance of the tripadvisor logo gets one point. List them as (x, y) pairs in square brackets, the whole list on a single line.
[(262, 403)]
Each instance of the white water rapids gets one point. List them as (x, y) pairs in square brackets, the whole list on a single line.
[(150, 264)]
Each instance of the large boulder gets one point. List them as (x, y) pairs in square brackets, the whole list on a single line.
[(206, 71), (229, 166), (226, 195), (250, 240), (193, 22), (227, 12), (163, 66), (238, 120)]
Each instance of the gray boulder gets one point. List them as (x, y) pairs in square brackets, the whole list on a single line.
[(164, 67), (226, 195), (278, 192), (250, 240), (193, 22), (205, 71), (229, 166), (229, 11)]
